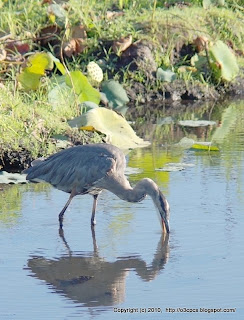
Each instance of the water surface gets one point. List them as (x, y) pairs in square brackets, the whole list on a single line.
[(127, 264)]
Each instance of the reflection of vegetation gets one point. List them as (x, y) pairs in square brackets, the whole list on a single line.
[(10, 203), (11, 200), (232, 132), (228, 121), (228, 134), (119, 224), (149, 160)]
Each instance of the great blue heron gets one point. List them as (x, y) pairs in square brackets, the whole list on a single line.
[(92, 168)]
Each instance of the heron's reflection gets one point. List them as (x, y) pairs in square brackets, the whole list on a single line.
[(91, 280)]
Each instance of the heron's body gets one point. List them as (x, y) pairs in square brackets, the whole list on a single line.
[(90, 169)]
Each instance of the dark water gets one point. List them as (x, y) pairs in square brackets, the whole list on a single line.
[(127, 265)]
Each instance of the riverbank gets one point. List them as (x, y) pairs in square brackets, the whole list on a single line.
[(150, 50)]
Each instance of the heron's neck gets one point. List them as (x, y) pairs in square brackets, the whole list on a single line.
[(124, 191)]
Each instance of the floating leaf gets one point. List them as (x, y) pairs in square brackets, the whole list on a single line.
[(36, 65), (172, 167), (115, 94), (165, 75), (82, 87), (223, 61), (204, 146), (196, 123), (12, 178), (186, 143), (113, 125)]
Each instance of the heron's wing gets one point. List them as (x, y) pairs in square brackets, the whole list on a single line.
[(77, 167)]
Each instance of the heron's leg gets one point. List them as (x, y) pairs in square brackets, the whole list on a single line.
[(93, 221), (95, 247), (61, 215)]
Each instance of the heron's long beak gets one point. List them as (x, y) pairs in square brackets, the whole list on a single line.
[(164, 213), (165, 222)]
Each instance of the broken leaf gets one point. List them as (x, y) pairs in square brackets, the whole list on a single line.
[(113, 125), (79, 32), (121, 44), (74, 47), (165, 75), (201, 43)]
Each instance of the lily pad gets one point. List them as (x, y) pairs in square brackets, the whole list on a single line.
[(82, 87), (113, 125), (173, 167), (12, 178), (223, 61), (186, 143), (115, 94), (61, 94), (207, 146), (196, 123)]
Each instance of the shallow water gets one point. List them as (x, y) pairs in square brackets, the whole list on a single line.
[(127, 265)]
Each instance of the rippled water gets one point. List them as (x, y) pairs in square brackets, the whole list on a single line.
[(127, 265)]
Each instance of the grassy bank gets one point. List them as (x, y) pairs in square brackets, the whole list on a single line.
[(28, 119)]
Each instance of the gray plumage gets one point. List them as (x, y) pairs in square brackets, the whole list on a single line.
[(90, 169)]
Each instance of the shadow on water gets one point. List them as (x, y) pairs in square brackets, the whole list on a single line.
[(90, 279)]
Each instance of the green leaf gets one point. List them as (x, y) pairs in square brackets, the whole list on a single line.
[(58, 64), (113, 125), (60, 94), (165, 75), (223, 62), (115, 94), (82, 87), (29, 81), (36, 65), (199, 61)]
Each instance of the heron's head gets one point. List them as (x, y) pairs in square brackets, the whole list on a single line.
[(163, 208), (162, 205)]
